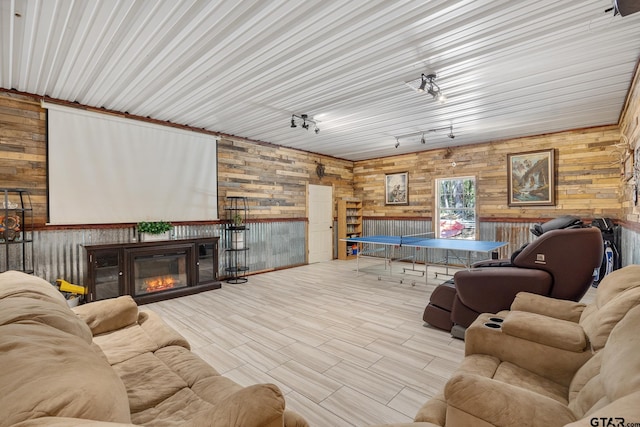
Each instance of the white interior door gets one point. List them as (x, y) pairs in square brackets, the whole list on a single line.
[(320, 208)]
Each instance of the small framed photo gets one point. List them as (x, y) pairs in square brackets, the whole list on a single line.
[(531, 178), (397, 188)]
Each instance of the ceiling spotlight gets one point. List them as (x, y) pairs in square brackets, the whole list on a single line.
[(422, 140), (305, 122), (397, 142), (428, 84), (451, 135)]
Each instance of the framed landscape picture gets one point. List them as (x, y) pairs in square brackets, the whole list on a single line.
[(397, 188), (531, 178)]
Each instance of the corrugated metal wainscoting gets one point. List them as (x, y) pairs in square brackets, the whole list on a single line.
[(59, 254)]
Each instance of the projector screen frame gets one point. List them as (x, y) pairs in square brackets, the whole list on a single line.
[(189, 194)]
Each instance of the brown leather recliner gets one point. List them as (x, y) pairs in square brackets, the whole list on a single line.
[(559, 264)]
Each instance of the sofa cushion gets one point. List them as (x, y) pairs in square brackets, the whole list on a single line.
[(620, 368), (178, 409), (159, 332), (546, 306), (48, 372), (586, 391), (108, 315), (260, 405), (509, 373), (19, 309), (15, 283), (28, 298), (545, 330), (605, 383), (475, 400), (148, 334), (125, 344), (433, 411), (187, 365), (148, 381), (66, 422), (625, 408), (617, 293)]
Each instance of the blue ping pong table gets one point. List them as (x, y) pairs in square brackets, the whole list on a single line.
[(387, 245)]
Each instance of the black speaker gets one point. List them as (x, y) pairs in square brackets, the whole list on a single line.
[(627, 7)]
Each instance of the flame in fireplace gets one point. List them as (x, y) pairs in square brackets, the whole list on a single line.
[(160, 283)]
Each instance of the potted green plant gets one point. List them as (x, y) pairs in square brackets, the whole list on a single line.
[(153, 230), (237, 220)]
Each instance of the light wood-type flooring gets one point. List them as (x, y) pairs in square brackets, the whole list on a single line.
[(346, 348)]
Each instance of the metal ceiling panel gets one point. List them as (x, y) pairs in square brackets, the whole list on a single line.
[(243, 67)]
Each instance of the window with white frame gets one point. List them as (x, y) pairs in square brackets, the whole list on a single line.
[(456, 207)]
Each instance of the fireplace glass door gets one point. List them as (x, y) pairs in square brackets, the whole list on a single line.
[(207, 262), (107, 274), (161, 271)]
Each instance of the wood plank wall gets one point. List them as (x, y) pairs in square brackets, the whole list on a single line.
[(276, 178), (630, 129), (587, 176), (23, 161)]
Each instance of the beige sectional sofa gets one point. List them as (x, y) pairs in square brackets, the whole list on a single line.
[(109, 364), (549, 363)]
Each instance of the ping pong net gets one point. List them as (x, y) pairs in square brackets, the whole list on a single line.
[(415, 239)]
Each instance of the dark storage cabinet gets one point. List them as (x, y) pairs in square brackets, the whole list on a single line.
[(105, 274), (152, 271)]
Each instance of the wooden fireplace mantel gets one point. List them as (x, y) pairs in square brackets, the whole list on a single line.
[(113, 269)]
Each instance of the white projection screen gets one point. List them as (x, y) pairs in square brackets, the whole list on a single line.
[(104, 169)]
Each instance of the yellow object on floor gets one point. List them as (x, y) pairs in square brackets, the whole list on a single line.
[(69, 287)]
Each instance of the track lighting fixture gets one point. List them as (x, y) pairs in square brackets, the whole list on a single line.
[(428, 84), (423, 140), (306, 122)]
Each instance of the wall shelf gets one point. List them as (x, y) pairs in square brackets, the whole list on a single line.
[(349, 225), (16, 230), (236, 248)]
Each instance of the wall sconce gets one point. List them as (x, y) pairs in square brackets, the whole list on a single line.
[(306, 121)]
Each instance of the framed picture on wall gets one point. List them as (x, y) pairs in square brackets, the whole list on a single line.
[(396, 188), (531, 178)]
